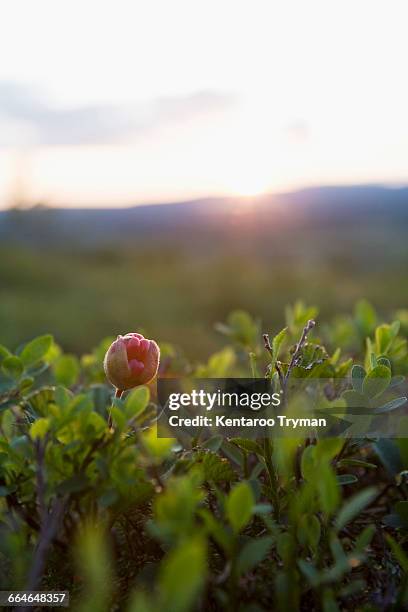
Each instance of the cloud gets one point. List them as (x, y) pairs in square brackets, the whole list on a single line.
[(28, 119)]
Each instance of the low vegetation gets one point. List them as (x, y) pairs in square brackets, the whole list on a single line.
[(93, 502)]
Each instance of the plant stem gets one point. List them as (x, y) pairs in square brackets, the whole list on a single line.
[(268, 347), (273, 478), (49, 529), (298, 350), (118, 394), (342, 451), (252, 362)]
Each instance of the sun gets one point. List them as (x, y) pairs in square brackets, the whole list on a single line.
[(250, 169), (249, 185), (249, 191)]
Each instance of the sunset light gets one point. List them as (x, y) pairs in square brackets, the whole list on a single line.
[(125, 122)]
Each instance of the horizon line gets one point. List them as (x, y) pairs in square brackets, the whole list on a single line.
[(388, 185)]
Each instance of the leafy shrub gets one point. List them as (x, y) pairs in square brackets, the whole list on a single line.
[(126, 520)]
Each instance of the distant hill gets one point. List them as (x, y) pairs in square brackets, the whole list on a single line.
[(191, 221)]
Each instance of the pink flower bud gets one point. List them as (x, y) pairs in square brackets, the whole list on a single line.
[(131, 360)]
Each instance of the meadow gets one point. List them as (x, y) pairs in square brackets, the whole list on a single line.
[(175, 270)]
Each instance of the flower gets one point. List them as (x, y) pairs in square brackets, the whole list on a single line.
[(131, 360)]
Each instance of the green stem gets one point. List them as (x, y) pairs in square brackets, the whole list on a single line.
[(254, 368), (246, 467), (273, 478), (118, 394)]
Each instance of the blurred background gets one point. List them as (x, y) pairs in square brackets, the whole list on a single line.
[(162, 163)]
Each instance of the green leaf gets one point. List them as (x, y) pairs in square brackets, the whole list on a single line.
[(253, 365), (384, 337), (397, 380), (390, 456), (364, 539), (12, 367), (277, 343), (354, 399), (377, 381), (39, 428), (118, 417), (253, 553), (232, 452), (140, 602), (337, 551), (308, 463), (182, 576), (243, 328), (216, 469), (345, 479), (108, 498), (214, 443), (366, 317), (299, 314), (26, 383), (329, 601), (41, 399), (36, 350), (356, 462), (158, 448), (219, 364), (343, 368), (95, 423), (250, 446), (354, 506), (62, 397), (217, 530), (398, 553), (358, 374), (285, 546), (137, 401), (328, 448), (4, 352), (328, 489), (310, 572), (384, 361), (257, 470), (262, 509), (66, 370), (392, 405), (309, 531), (239, 506)]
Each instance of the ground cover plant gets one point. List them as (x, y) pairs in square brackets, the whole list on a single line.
[(93, 502)]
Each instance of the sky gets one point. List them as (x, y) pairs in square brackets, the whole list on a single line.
[(135, 101)]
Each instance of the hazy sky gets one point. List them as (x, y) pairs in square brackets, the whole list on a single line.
[(117, 102)]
